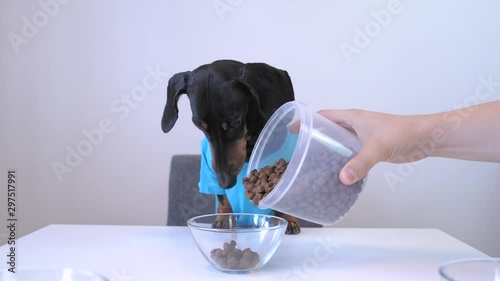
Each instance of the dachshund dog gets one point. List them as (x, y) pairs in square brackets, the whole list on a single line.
[(230, 102)]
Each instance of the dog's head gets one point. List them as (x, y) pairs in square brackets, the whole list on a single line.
[(230, 102)]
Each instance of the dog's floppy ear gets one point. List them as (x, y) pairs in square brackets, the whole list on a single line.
[(176, 87), (269, 86)]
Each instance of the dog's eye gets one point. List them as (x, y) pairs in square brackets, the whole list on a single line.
[(235, 124)]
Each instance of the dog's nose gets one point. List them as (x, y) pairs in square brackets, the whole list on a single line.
[(226, 181)]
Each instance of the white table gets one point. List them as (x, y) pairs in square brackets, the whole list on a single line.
[(151, 253)]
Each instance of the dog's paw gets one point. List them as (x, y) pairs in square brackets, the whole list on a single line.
[(221, 222), (293, 227)]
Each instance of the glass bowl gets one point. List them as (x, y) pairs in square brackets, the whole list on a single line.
[(474, 269), (246, 245)]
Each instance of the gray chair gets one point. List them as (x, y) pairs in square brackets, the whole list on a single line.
[(184, 199)]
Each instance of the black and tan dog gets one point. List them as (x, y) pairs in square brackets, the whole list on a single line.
[(230, 102)]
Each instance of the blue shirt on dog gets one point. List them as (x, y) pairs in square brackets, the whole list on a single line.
[(236, 195)]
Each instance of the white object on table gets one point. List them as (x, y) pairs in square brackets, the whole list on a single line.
[(154, 253)]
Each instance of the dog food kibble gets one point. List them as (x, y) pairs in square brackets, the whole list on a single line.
[(317, 194), (230, 257), (262, 182)]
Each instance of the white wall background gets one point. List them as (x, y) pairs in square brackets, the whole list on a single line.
[(70, 67)]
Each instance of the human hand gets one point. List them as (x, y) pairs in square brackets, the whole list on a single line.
[(385, 137)]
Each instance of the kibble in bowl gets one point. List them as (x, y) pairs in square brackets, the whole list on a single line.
[(245, 246), (295, 165)]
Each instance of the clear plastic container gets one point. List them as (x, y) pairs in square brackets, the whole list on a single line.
[(315, 150)]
